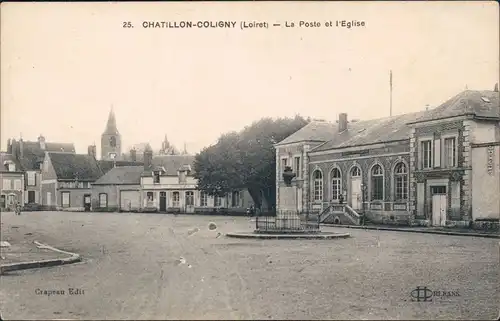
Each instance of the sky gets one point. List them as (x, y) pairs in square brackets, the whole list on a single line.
[(63, 65)]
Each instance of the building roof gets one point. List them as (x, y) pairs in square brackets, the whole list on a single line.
[(124, 175), (173, 163), (107, 165), (33, 154), (469, 102), (75, 166), (319, 131), (483, 103), (6, 158), (370, 132)]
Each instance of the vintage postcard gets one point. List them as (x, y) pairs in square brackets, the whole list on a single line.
[(250, 160)]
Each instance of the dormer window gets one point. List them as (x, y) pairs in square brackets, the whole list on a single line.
[(156, 177), (10, 166), (182, 177)]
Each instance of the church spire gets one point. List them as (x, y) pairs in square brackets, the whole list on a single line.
[(111, 125)]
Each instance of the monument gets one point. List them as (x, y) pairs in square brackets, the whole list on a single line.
[(288, 223)]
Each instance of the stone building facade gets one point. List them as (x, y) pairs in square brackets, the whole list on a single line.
[(415, 168)]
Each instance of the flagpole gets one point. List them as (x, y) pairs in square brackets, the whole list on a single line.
[(390, 85)]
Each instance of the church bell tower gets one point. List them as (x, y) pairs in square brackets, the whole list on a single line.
[(111, 143)]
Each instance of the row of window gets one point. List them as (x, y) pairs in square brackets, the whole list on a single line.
[(189, 197), (12, 184), (157, 175), (74, 184), (433, 157), (376, 182)]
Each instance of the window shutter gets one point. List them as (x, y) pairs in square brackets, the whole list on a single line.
[(437, 153)]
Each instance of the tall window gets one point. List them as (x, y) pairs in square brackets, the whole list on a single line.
[(65, 199), (284, 163), (175, 199), (449, 152), (377, 183), (18, 185), (189, 198), (149, 195), (426, 154), (7, 185), (217, 201), (203, 199), (103, 200), (401, 181), (112, 141), (318, 186), (296, 166), (336, 184), (31, 178), (235, 200)]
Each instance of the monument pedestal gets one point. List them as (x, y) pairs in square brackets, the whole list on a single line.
[(287, 211)]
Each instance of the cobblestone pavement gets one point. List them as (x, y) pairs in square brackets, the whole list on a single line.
[(151, 266)]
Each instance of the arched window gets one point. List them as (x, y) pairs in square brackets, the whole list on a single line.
[(318, 185), (377, 183), (336, 184), (355, 172), (401, 181)]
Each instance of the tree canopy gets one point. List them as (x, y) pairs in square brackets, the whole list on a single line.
[(245, 159)]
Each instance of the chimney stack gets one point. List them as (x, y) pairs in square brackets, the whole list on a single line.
[(41, 141), (9, 146), (496, 87), (148, 158), (92, 150), (15, 149), (21, 148), (133, 155), (342, 122)]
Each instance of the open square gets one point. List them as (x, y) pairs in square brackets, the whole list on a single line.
[(153, 266)]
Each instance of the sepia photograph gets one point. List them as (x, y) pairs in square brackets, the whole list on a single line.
[(250, 160)]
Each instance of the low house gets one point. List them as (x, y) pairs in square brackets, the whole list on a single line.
[(168, 185), (30, 156), (118, 190), (12, 178), (67, 180)]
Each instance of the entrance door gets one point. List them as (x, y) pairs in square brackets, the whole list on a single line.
[(439, 205), (86, 202), (163, 201), (356, 193)]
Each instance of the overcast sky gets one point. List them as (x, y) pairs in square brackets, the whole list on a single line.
[(64, 64)]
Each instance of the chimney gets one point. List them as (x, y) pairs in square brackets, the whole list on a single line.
[(148, 159), (41, 141), (496, 87), (9, 146), (14, 148), (133, 155), (92, 150), (21, 148), (342, 122)]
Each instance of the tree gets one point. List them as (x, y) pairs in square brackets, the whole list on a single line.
[(246, 159)]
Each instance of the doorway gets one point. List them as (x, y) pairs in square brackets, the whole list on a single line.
[(86, 202), (163, 201), (439, 205), (355, 195)]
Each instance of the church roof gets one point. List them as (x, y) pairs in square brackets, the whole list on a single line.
[(75, 166), (111, 128)]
